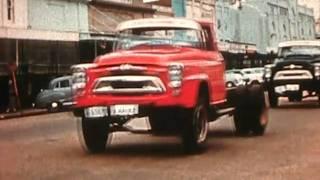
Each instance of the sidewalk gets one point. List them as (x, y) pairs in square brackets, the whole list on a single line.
[(22, 113)]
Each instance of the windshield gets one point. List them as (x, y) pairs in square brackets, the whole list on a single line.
[(142, 38), (308, 51)]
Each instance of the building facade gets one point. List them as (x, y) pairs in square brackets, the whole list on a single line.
[(249, 31), (41, 37), (315, 5), (45, 37)]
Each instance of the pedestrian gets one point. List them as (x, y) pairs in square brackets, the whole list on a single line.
[(12, 98)]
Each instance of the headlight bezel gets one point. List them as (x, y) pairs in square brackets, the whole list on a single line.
[(268, 71), (317, 70), (79, 77), (175, 73)]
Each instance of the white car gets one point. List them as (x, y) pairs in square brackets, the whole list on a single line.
[(255, 75), (234, 78)]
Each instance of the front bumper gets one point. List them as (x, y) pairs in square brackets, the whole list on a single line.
[(311, 85)]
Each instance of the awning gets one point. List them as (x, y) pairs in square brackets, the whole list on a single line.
[(97, 36), (237, 47), (158, 2), (29, 34)]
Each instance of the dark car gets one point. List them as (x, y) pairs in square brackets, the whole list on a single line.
[(58, 95), (296, 72)]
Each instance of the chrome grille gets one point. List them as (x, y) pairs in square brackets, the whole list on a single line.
[(293, 74), (129, 85)]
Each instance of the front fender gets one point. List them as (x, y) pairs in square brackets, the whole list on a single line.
[(191, 87)]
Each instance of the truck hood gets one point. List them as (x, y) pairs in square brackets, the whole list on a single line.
[(150, 56)]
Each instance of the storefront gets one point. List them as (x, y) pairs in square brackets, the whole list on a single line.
[(38, 61)]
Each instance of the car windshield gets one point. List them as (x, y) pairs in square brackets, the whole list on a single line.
[(300, 51), (142, 38)]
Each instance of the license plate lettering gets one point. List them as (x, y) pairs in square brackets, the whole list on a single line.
[(96, 112), (124, 110)]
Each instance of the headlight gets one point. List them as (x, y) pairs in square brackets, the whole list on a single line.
[(175, 75), (79, 80), (79, 77), (267, 72), (317, 70), (229, 84)]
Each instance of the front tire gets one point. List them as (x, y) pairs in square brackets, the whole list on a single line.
[(95, 134), (196, 126)]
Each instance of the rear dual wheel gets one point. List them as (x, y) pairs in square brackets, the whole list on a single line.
[(273, 99), (251, 113)]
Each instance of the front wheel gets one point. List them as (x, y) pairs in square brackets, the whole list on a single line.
[(95, 134), (196, 127)]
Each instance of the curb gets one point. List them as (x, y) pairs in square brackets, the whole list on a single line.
[(6, 116)]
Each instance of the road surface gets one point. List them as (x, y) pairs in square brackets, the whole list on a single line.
[(47, 147)]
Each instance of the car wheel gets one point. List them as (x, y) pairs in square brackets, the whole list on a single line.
[(95, 134), (195, 131), (298, 97), (251, 114), (291, 98), (273, 99)]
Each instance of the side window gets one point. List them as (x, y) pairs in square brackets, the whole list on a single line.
[(208, 38), (64, 84), (56, 85)]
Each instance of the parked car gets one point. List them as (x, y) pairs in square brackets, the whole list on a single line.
[(235, 78), (255, 75), (58, 95), (295, 71)]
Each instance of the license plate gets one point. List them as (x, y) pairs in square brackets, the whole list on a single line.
[(124, 110), (96, 112), (292, 87)]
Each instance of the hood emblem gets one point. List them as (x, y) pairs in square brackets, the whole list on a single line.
[(126, 67)]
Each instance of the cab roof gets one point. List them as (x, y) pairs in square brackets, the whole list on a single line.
[(182, 23), (300, 43)]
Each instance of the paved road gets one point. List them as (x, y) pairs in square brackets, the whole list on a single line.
[(47, 147)]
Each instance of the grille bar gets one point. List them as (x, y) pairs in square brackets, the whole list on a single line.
[(293, 74)]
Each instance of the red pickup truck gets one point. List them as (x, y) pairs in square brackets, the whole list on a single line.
[(169, 70)]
